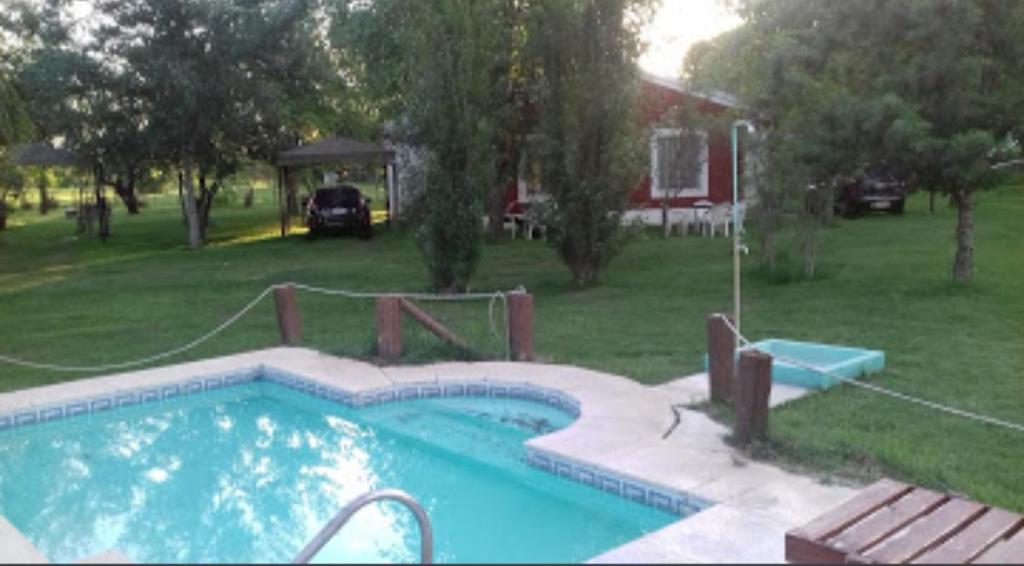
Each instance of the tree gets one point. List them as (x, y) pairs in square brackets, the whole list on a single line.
[(586, 55), (931, 87), (190, 84), (15, 126), (440, 71), (219, 80)]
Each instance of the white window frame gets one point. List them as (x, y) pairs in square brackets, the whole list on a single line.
[(678, 192)]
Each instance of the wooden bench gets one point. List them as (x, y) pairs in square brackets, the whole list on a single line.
[(895, 523)]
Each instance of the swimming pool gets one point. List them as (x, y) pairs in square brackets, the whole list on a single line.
[(251, 472)]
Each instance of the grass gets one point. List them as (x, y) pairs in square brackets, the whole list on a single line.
[(884, 284)]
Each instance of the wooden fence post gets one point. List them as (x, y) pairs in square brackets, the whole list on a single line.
[(721, 359), (520, 326), (389, 327), (289, 322), (753, 389)]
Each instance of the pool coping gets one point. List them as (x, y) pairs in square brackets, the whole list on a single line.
[(615, 444)]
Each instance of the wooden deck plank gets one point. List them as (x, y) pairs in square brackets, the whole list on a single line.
[(804, 551), (926, 532), (807, 543), (887, 520), (873, 497), (970, 542), (1009, 551)]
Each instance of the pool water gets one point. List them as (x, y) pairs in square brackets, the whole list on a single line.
[(251, 472)]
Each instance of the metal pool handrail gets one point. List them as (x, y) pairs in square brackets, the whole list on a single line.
[(346, 513)]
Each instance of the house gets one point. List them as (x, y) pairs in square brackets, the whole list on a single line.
[(686, 188)]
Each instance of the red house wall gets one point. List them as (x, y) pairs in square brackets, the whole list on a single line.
[(655, 100)]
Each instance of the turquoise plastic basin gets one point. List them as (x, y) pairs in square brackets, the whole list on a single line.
[(844, 361)]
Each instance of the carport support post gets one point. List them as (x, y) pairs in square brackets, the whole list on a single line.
[(520, 326), (753, 389), (721, 358), (389, 327), (288, 319)]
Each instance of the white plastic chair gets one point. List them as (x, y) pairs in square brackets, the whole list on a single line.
[(685, 219), (718, 215)]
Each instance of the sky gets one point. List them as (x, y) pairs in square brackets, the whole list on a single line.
[(677, 25)]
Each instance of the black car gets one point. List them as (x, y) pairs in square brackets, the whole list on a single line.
[(339, 208), (871, 191)]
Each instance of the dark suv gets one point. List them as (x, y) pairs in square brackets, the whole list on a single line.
[(870, 191), (342, 208)]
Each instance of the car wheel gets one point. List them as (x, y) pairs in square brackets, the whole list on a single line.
[(897, 207), (366, 232)]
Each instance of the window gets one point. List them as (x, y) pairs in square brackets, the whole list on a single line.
[(679, 163)]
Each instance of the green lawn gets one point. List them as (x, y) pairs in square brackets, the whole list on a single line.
[(885, 284)]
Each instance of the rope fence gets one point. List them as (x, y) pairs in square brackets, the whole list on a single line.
[(491, 297), (876, 388)]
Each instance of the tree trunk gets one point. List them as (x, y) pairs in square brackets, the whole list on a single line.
[(181, 198), (126, 192), (963, 263), (496, 214), (206, 194), (291, 186), (195, 240), (44, 201)]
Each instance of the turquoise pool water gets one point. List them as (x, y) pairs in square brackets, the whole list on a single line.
[(250, 473)]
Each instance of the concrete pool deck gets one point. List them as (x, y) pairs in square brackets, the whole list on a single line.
[(619, 431)]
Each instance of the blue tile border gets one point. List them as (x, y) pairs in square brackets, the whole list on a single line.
[(125, 398), (402, 392), (676, 502)]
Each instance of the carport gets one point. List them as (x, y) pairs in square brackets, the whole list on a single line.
[(334, 150)]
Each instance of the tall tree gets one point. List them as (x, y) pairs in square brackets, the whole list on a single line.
[(586, 53), (15, 124), (929, 86), (193, 84), (218, 78), (441, 71)]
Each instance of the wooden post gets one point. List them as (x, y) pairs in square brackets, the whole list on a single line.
[(389, 327), (520, 326), (753, 389), (721, 359), (288, 319)]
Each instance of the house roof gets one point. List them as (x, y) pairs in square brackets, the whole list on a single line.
[(44, 155), (715, 96), (332, 150)]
